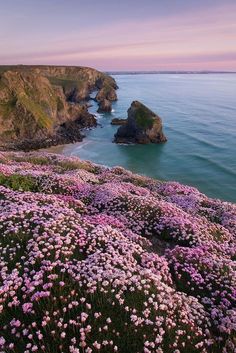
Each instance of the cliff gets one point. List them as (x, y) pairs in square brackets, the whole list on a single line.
[(77, 81), (142, 126), (97, 259), (45, 105)]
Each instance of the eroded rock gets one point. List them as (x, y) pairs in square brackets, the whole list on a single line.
[(142, 126), (104, 106)]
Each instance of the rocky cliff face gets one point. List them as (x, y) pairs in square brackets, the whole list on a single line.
[(142, 126), (77, 82), (104, 106), (42, 106), (107, 92)]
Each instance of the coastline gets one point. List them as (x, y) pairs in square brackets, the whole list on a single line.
[(192, 141), (118, 176), (198, 120)]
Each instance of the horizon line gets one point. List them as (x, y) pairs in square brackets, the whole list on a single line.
[(200, 71)]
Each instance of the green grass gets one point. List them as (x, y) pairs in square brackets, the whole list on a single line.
[(66, 83), (42, 118), (26, 183), (65, 165), (32, 159), (73, 165), (19, 182), (143, 118)]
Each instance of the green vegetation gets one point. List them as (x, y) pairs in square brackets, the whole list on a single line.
[(143, 118), (65, 165), (42, 118), (19, 182), (66, 83), (72, 165), (39, 160)]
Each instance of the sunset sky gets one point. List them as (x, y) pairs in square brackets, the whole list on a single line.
[(120, 35)]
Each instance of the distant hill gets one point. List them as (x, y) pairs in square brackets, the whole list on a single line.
[(167, 72)]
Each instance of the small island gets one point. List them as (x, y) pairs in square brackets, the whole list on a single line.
[(142, 126), (117, 121)]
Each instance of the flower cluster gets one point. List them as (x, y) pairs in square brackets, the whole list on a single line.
[(97, 259)]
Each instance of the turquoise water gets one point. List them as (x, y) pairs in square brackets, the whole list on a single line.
[(199, 117)]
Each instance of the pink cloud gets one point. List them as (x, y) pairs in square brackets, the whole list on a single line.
[(200, 40)]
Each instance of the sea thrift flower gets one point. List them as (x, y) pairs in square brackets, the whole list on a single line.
[(92, 259)]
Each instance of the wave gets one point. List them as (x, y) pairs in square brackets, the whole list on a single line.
[(194, 137), (215, 164)]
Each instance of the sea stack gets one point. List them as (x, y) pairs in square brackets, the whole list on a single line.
[(142, 126), (104, 106), (105, 96)]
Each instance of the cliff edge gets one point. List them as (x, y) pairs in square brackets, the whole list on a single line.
[(42, 106)]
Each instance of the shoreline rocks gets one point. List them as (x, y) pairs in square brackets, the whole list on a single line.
[(117, 121), (142, 126)]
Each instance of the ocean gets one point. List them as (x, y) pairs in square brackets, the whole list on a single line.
[(199, 119)]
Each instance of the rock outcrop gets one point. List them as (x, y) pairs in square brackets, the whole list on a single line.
[(77, 81), (142, 126), (107, 92), (44, 105), (104, 106), (105, 96), (117, 121)]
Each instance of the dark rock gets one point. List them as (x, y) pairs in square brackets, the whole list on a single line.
[(105, 95), (104, 106), (143, 126), (117, 121)]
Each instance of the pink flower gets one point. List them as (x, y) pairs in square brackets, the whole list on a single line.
[(2, 341), (27, 307), (97, 345)]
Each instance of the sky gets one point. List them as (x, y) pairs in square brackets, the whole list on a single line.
[(120, 35)]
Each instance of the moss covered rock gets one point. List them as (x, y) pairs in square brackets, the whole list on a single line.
[(142, 126)]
